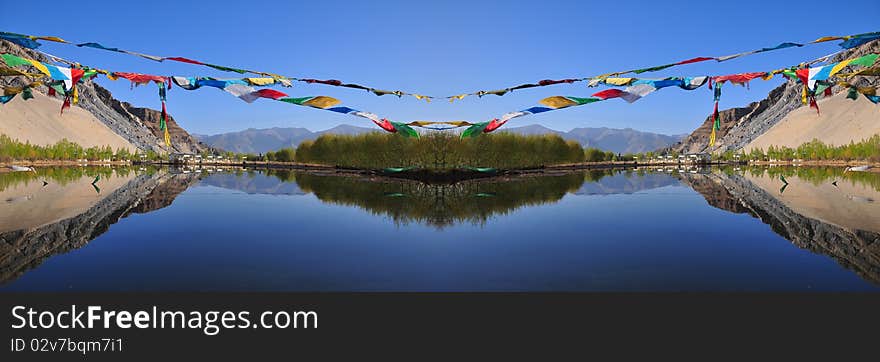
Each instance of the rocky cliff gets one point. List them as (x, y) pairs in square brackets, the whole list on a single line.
[(139, 126), (739, 126)]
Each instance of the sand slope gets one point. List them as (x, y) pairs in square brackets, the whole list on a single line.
[(840, 121), (39, 121)]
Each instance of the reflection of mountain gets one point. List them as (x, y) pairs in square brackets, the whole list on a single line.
[(626, 183), (26, 248), (845, 241), (255, 183)]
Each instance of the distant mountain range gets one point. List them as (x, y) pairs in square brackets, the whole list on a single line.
[(618, 140), (254, 140), (609, 139)]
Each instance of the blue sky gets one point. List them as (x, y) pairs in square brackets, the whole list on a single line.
[(442, 48)]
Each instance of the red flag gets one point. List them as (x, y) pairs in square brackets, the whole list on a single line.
[(493, 125), (270, 93), (693, 60), (185, 60), (608, 93), (386, 125)]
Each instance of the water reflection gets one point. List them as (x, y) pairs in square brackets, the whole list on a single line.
[(442, 205), (57, 210), (819, 209), (822, 210)]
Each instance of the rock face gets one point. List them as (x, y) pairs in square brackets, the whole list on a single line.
[(857, 250), (24, 249), (139, 126), (739, 126)]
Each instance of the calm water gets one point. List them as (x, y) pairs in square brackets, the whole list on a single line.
[(635, 230)]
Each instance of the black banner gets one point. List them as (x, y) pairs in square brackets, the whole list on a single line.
[(415, 325)]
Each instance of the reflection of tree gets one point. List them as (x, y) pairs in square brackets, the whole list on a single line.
[(60, 175), (440, 205)]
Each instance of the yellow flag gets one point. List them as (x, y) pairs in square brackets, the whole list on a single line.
[(712, 138), (459, 97), (51, 38), (618, 81), (260, 81), (557, 102), (40, 66), (420, 97), (827, 38), (837, 68), (322, 102), (167, 137)]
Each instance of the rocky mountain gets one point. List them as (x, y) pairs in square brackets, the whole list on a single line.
[(138, 126), (617, 140), (740, 126), (254, 140)]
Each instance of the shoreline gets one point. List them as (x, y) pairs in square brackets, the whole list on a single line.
[(451, 174)]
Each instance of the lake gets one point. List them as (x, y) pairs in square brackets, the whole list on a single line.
[(644, 229)]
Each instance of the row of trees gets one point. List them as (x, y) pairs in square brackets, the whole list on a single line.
[(868, 150), (64, 150), (815, 150), (592, 154), (12, 149), (439, 150)]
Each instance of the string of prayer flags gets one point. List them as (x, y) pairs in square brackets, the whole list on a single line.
[(501, 92), (848, 42), (29, 41)]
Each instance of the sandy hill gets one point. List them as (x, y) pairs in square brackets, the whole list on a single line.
[(39, 122), (839, 121)]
